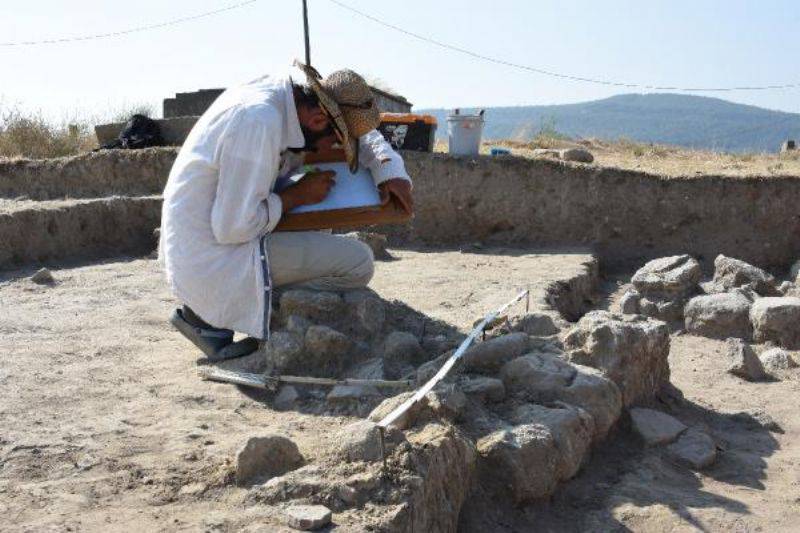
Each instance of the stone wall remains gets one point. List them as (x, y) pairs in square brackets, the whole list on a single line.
[(625, 217)]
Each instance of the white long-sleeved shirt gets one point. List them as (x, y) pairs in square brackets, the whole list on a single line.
[(219, 201)]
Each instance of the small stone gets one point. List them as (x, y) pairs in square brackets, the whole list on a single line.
[(287, 397), (743, 361), (785, 288), (795, 273), (193, 489), (629, 303), (655, 427), (43, 276), (777, 359), (262, 458), (545, 152), (694, 448), (576, 154), (307, 517)]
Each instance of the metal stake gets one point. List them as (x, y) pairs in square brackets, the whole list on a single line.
[(528, 300), (305, 33), (382, 432)]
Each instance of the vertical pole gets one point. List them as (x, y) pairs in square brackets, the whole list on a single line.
[(305, 33)]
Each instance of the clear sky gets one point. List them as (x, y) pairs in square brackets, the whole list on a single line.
[(656, 42)]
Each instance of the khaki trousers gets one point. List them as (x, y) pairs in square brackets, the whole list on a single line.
[(318, 260)]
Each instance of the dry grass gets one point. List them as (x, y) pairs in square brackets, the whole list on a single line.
[(656, 158), (30, 135)]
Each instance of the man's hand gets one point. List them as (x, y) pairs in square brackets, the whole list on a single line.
[(311, 189), (397, 190)]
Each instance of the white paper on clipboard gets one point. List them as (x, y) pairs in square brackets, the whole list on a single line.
[(351, 190)]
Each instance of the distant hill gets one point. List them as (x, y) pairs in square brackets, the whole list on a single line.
[(677, 119)]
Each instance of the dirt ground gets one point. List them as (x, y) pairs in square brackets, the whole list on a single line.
[(104, 425), (659, 159)]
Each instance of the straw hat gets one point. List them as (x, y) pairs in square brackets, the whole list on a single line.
[(349, 102)]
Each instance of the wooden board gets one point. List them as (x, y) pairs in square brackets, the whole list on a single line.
[(351, 218)]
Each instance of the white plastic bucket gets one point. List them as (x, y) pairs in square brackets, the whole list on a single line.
[(464, 134)]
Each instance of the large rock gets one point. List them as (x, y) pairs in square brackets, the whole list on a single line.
[(483, 389), (694, 448), (777, 319), (401, 351), (668, 277), (571, 427), (719, 316), (313, 305), (664, 285), (730, 273), (523, 459), (545, 378), (265, 457), (370, 311), (359, 441), (630, 350), (283, 352), (490, 356), (326, 351), (537, 324), (655, 427), (743, 361)]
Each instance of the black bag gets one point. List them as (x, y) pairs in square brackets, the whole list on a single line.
[(139, 132)]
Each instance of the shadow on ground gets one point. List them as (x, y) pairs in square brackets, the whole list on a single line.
[(626, 487)]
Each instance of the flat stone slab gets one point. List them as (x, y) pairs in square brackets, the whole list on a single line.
[(307, 517), (655, 427)]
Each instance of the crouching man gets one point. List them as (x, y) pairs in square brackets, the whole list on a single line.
[(221, 255)]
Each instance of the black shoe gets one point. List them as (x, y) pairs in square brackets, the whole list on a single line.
[(217, 344)]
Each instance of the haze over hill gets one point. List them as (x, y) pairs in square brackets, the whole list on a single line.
[(678, 119)]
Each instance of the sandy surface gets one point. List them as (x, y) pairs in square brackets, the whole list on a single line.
[(104, 425)]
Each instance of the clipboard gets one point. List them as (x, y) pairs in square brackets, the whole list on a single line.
[(354, 201)]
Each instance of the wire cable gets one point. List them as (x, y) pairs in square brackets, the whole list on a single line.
[(553, 74), (137, 29)]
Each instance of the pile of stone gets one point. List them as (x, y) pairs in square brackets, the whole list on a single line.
[(353, 334), (742, 303), (516, 417), (745, 302)]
